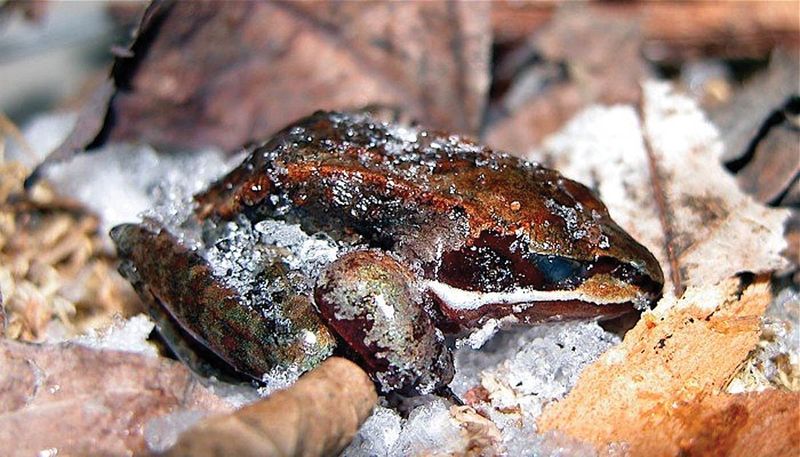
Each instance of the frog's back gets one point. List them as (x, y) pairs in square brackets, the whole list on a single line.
[(370, 175)]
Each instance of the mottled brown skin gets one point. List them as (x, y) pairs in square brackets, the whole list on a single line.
[(170, 277), (452, 213), (393, 196), (374, 303)]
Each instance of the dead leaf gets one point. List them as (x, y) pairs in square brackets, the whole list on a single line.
[(744, 115), (665, 186), (79, 401), (317, 416), (763, 423), (675, 31), (204, 74), (683, 349), (775, 165), (584, 41)]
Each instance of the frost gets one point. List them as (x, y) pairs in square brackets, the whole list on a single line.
[(123, 335), (121, 182), (776, 359), (429, 427), (278, 378), (309, 253), (524, 369), (377, 436)]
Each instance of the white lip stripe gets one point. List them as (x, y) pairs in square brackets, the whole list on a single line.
[(468, 300)]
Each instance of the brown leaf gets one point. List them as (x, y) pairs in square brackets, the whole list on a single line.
[(205, 73), (82, 401), (775, 165), (602, 56), (684, 348), (763, 423), (675, 31), (317, 416), (743, 116), (662, 182)]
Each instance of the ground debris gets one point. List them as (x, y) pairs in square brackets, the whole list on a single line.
[(80, 401), (317, 416), (54, 264), (666, 360)]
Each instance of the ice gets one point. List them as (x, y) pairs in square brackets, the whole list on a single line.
[(429, 430), (310, 253), (123, 335), (278, 378), (430, 427), (522, 370), (776, 359), (377, 435), (122, 181)]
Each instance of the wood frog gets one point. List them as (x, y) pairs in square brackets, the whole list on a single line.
[(441, 235)]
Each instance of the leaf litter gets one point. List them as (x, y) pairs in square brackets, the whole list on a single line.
[(644, 164)]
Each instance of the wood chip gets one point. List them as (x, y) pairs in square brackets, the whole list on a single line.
[(681, 351)]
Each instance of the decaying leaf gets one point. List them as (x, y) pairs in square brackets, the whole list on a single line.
[(317, 416), (582, 42), (675, 31), (662, 180), (75, 400), (742, 117), (684, 348), (204, 74)]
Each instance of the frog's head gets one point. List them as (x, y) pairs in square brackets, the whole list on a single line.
[(553, 252)]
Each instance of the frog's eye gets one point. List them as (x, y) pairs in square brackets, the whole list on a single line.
[(492, 265), (558, 270)]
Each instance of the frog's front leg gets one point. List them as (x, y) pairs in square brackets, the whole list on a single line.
[(376, 305)]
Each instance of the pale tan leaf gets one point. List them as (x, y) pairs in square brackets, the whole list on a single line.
[(667, 188)]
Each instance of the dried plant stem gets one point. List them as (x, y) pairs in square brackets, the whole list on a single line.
[(317, 416), (8, 127)]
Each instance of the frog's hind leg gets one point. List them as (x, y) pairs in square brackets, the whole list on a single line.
[(190, 351)]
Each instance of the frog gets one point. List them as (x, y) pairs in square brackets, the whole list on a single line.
[(441, 236)]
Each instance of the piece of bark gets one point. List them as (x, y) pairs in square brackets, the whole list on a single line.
[(206, 74), (602, 57), (764, 423), (659, 173), (82, 401), (675, 31), (316, 416), (684, 348)]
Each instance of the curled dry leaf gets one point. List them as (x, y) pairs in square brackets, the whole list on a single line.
[(740, 119), (316, 416), (662, 181), (204, 73), (79, 401)]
